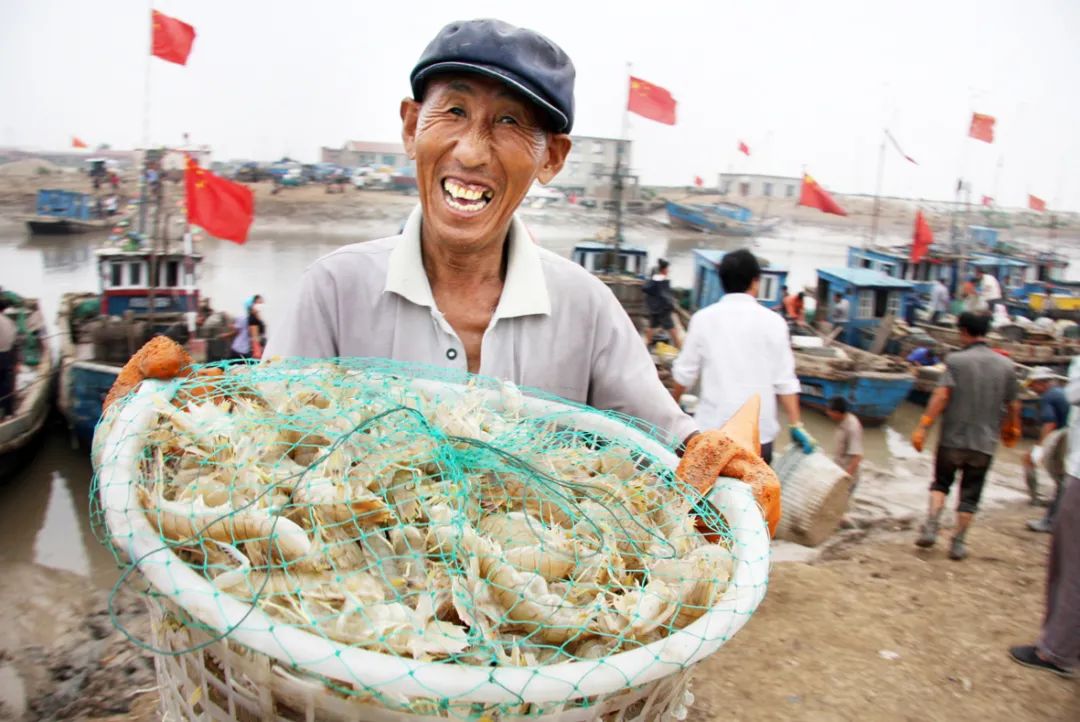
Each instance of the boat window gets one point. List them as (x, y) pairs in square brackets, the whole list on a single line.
[(116, 278), (866, 304), (867, 263), (887, 268), (894, 303), (135, 274), (767, 289), (172, 274)]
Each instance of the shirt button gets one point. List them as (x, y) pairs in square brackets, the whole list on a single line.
[(451, 353)]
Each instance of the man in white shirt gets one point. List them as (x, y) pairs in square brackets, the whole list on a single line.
[(939, 300), (988, 288), (841, 310), (738, 348)]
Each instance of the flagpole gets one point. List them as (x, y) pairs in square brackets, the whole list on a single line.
[(143, 185), (877, 191), (617, 187)]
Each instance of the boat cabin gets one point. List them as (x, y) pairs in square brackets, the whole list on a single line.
[(871, 295), (125, 279), (988, 238), (896, 262), (1009, 271), (72, 205), (708, 289), (599, 257)]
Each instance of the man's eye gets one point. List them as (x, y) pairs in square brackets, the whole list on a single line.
[(508, 120), (457, 111)]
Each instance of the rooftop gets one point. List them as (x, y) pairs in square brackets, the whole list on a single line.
[(864, 278), (715, 256), (363, 146)]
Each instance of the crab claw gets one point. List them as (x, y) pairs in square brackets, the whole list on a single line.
[(734, 451)]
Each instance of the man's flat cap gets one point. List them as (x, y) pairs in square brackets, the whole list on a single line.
[(523, 59)]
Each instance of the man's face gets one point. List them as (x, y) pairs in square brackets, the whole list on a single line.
[(1040, 387), (478, 148)]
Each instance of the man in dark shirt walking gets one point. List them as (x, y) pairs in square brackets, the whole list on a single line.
[(977, 396), (660, 305), (1053, 415)]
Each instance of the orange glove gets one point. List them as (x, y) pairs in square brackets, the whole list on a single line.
[(1010, 432), (159, 358), (918, 436), (733, 451)]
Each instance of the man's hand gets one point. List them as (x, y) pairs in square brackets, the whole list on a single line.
[(918, 437), (1010, 432), (803, 438)]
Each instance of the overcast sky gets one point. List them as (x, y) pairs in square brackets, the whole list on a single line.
[(802, 83)]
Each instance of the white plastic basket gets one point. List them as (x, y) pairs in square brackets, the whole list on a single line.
[(258, 672)]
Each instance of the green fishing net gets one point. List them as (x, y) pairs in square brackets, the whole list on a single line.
[(451, 521)]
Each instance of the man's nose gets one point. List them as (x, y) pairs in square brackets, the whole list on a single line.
[(473, 149)]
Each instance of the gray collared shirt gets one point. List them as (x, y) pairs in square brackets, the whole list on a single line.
[(556, 327), (982, 384)]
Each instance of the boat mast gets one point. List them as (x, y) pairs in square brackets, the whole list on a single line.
[(877, 191), (617, 179)]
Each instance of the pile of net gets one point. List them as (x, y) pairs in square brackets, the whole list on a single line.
[(422, 513)]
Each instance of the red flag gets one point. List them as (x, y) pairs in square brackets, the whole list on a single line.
[(651, 101), (744, 148), (814, 196), (77, 142), (982, 127), (172, 38), (987, 201), (1035, 203), (922, 239), (223, 208), (699, 181)]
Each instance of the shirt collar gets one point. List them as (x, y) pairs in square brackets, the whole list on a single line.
[(737, 298), (524, 290)]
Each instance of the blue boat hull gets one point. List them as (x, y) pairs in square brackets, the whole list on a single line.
[(84, 388), (872, 399)]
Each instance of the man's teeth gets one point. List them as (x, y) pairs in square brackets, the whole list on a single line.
[(467, 194)]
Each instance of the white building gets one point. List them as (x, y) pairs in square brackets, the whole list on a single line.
[(590, 165), (747, 185)]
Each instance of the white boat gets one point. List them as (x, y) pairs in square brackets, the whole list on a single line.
[(34, 377)]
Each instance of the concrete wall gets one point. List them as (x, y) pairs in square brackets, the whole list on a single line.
[(742, 185)]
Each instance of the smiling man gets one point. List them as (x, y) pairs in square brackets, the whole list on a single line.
[(464, 285)]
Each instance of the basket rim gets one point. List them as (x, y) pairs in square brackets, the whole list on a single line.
[(170, 576)]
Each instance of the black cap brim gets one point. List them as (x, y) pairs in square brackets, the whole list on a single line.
[(559, 122)]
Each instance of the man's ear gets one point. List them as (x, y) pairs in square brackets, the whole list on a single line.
[(558, 147), (410, 114)]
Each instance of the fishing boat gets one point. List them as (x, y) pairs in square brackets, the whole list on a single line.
[(34, 376), (1024, 345), (143, 293), (873, 385), (709, 289), (61, 211), (727, 219)]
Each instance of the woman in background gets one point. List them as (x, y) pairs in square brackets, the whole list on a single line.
[(250, 330)]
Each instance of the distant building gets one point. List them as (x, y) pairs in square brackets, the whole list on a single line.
[(357, 153), (589, 168), (744, 185)]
